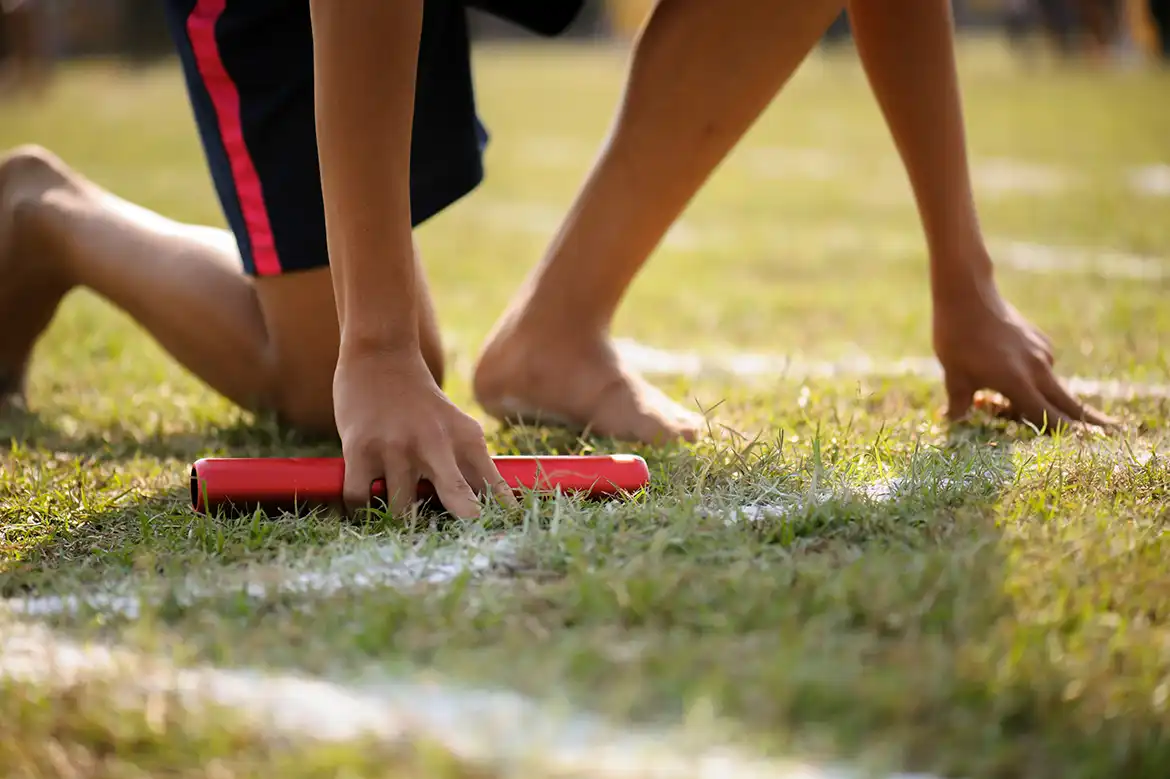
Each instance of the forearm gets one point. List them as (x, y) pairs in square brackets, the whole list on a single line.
[(907, 50), (366, 55)]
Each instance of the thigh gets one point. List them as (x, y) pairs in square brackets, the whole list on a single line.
[(249, 72), (303, 334)]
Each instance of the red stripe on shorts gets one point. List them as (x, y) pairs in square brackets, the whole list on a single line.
[(226, 99)]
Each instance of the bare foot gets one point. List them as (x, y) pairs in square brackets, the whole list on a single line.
[(30, 288), (581, 386)]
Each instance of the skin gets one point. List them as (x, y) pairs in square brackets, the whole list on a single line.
[(700, 76), (394, 420), (543, 362), (269, 344)]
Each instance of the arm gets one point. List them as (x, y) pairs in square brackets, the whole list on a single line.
[(907, 50), (394, 420), (363, 48)]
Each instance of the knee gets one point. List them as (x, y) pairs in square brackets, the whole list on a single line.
[(297, 389), (31, 168), (300, 402)]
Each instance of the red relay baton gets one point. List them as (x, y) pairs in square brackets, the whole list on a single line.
[(288, 483)]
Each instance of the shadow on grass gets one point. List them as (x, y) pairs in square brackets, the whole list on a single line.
[(915, 649), (78, 506), (883, 628), (22, 429), (94, 513), (892, 630)]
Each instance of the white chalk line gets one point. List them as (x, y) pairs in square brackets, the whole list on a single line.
[(543, 220), (493, 729), (991, 176), (496, 730), (349, 568), (1051, 260), (652, 361), (1152, 180), (782, 505)]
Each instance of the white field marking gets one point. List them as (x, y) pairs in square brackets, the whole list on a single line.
[(996, 176), (653, 361), (517, 216), (493, 730), (783, 504), (787, 162), (993, 176), (557, 152), (347, 568), (543, 219), (1038, 258), (1152, 180)]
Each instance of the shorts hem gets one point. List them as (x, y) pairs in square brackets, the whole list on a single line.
[(439, 192)]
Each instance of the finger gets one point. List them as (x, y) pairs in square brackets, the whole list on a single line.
[(960, 395), (1046, 351), (1056, 392), (484, 471), (451, 488), (401, 480), (1043, 338), (1030, 405), (360, 472)]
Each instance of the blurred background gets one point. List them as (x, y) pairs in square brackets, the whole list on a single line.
[(37, 34)]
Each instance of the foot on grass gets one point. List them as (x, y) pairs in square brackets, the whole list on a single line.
[(578, 384)]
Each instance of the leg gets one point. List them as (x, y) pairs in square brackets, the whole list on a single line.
[(268, 344), (701, 74), (922, 108)]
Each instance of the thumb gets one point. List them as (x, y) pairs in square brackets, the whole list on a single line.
[(960, 395)]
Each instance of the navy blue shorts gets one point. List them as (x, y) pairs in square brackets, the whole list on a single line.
[(248, 66)]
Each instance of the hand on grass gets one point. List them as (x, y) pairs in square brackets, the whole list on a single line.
[(395, 423), (985, 343)]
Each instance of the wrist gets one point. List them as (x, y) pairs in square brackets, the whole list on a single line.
[(364, 338), (378, 324), (962, 276), (377, 306)]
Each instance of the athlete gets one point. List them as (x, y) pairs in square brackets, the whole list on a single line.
[(322, 184)]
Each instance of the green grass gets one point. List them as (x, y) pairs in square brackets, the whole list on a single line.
[(1005, 615)]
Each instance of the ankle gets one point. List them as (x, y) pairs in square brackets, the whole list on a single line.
[(561, 324)]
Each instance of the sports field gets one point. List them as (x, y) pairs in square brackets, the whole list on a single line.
[(847, 583)]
